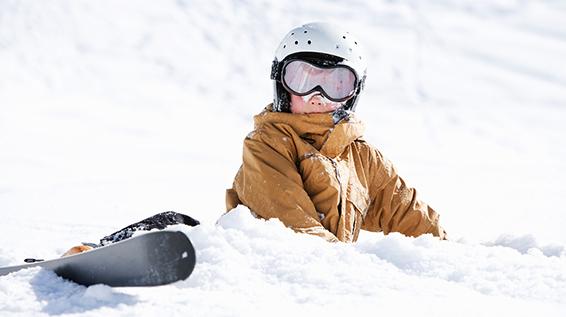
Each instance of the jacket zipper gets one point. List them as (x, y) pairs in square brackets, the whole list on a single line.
[(335, 164), (339, 186)]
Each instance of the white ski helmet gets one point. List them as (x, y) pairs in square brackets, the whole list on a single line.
[(324, 44)]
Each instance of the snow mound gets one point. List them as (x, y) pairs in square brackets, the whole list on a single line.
[(249, 266), (276, 265), (527, 244)]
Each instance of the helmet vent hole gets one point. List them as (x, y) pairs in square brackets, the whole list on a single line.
[(296, 42), (293, 33), (305, 32), (344, 36), (356, 43), (284, 46), (309, 41)]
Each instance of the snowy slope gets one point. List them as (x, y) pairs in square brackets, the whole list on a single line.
[(111, 111)]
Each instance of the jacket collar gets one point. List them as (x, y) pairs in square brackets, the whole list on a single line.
[(329, 138)]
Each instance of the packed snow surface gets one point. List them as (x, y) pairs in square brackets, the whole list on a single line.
[(111, 111)]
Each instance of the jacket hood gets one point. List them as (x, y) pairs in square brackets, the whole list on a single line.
[(319, 128)]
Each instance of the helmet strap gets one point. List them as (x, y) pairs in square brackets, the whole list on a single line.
[(281, 98), (275, 70)]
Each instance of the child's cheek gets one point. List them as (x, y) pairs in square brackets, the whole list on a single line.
[(297, 104)]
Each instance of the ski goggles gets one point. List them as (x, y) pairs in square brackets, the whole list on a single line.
[(337, 83)]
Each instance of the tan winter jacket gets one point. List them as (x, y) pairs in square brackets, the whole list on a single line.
[(323, 179)]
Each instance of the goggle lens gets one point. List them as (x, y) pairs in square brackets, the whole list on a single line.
[(337, 83)]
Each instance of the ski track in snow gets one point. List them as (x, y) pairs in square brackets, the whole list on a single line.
[(112, 111)]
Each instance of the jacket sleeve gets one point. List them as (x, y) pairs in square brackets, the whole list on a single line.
[(269, 184), (395, 207)]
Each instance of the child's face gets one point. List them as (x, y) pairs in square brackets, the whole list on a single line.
[(312, 103)]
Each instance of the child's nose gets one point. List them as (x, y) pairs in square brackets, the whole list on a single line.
[(317, 100)]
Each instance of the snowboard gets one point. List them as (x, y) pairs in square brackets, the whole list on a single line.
[(151, 259)]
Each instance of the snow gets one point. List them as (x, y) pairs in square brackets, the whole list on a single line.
[(111, 111), (248, 266)]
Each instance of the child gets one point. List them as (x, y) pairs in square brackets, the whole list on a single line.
[(306, 163)]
